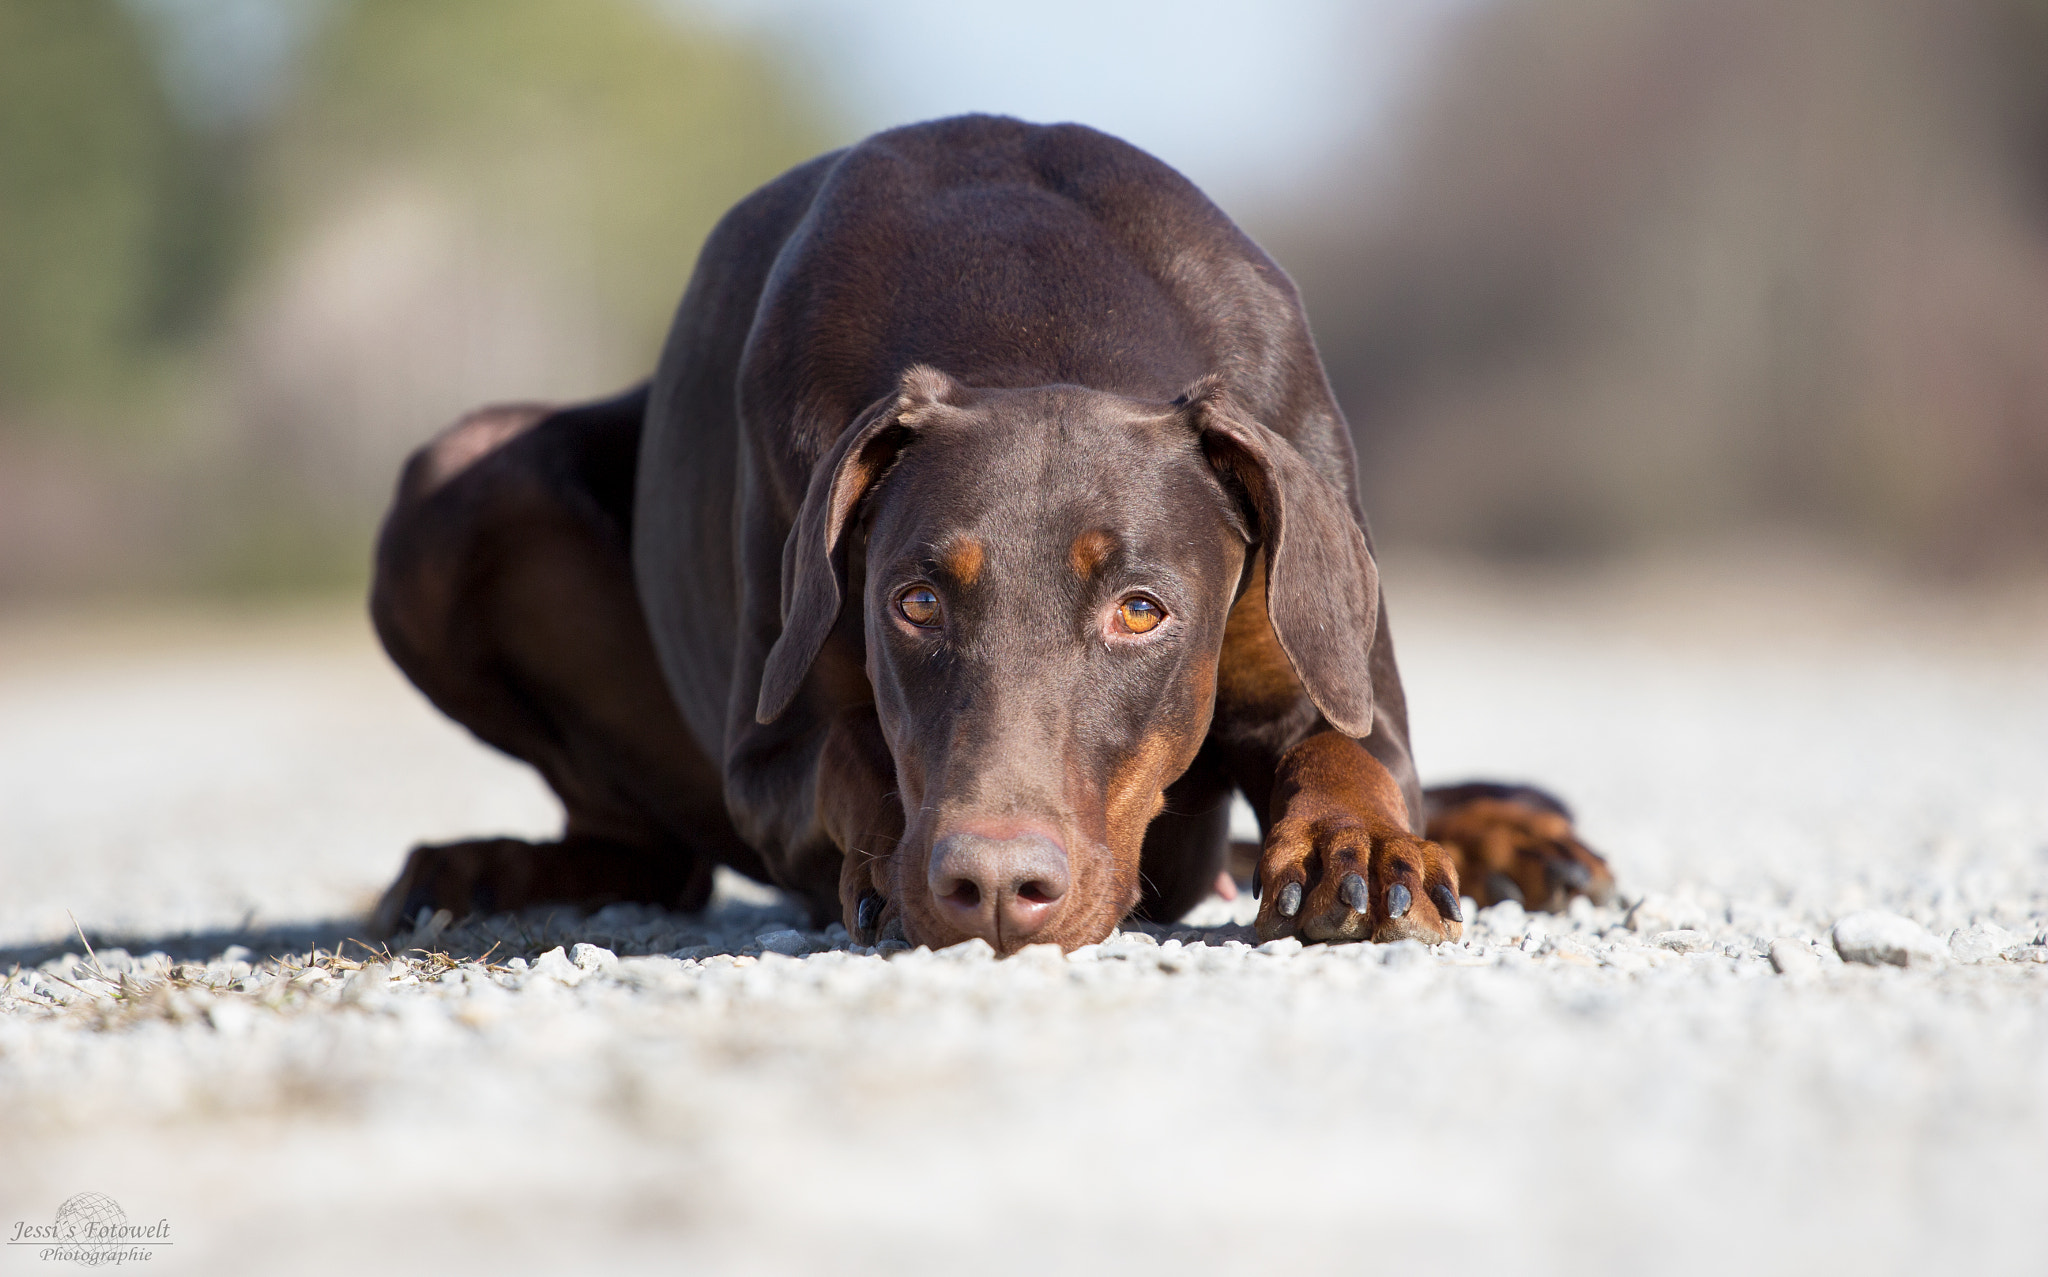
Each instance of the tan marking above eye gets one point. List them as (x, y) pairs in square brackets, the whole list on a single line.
[(1138, 614), (963, 559), (1089, 551), (919, 606)]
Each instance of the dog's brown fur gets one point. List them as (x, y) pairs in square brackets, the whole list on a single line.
[(1030, 373)]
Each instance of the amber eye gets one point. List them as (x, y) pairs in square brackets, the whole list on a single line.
[(1139, 614), (919, 606)]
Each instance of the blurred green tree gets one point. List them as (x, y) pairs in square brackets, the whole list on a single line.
[(434, 204), (596, 131), (105, 248), (466, 201)]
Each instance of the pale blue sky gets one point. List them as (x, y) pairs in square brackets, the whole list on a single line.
[(1247, 99), (1244, 98)]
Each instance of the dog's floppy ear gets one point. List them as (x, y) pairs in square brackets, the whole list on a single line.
[(1322, 587), (813, 560)]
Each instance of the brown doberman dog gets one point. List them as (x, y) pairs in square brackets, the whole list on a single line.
[(1058, 429)]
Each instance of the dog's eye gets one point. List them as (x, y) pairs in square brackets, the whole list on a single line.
[(919, 606), (1139, 614)]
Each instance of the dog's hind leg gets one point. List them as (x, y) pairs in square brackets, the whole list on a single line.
[(504, 590), (1515, 842)]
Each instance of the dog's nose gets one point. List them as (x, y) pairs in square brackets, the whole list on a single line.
[(1004, 890)]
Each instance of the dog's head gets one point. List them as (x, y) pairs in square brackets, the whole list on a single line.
[(1047, 576)]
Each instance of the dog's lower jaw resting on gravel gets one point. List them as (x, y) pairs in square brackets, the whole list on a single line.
[(987, 524)]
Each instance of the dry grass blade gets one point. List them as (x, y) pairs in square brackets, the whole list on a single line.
[(95, 958)]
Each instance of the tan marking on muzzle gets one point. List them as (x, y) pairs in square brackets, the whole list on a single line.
[(1137, 790)]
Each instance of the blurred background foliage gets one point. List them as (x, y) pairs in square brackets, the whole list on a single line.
[(105, 250), (1621, 273), (221, 328), (1652, 272)]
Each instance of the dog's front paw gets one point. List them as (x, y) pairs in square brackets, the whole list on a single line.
[(479, 876), (1338, 878)]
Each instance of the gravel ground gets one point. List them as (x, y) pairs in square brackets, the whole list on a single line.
[(1814, 1038)]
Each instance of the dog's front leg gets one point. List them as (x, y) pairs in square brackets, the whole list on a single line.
[(1340, 860), (860, 810)]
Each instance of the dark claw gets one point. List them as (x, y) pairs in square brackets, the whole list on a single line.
[(1502, 887), (1398, 900), (1446, 902), (1354, 894), (1290, 900), (866, 914), (1569, 874), (1258, 880)]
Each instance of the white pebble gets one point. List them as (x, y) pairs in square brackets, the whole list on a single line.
[(1878, 938), (555, 965), (1981, 942), (590, 959), (1655, 914), (1685, 940), (1793, 959), (366, 981)]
